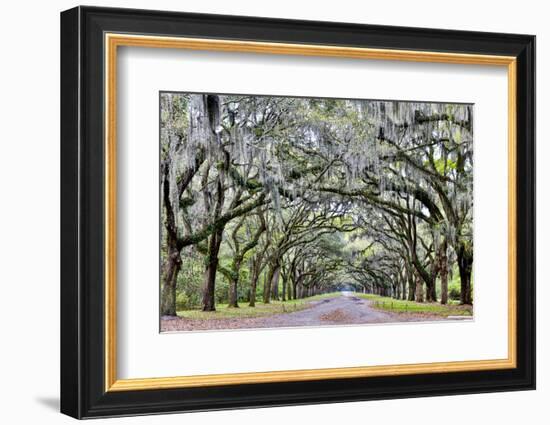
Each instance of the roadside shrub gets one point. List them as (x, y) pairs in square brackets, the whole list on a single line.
[(182, 301), (454, 293), (222, 289)]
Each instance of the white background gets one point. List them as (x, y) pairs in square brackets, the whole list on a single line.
[(139, 343), (29, 225)]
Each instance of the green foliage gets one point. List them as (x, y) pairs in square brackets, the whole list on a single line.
[(190, 279), (182, 301), (344, 186), (443, 165), (404, 306), (454, 293), (222, 289), (454, 286)]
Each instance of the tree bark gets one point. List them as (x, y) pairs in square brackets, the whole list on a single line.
[(430, 289), (254, 283), (168, 296), (465, 260), (238, 258), (211, 105), (173, 260), (411, 282), (275, 282), (443, 273), (419, 295), (267, 284), (299, 289), (233, 285), (208, 298)]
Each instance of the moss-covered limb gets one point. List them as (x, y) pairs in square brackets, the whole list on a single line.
[(253, 185), (422, 196), (220, 223), (421, 118), (371, 197), (450, 212), (400, 154), (261, 229), (413, 189), (226, 272), (235, 235), (203, 249), (188, 174)]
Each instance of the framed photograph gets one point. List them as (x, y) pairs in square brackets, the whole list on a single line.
[(261, 212)]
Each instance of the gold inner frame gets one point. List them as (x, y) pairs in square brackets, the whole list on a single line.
[(113, 41)]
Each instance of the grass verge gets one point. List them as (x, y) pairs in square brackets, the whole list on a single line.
[(404, 306), (261, 309)]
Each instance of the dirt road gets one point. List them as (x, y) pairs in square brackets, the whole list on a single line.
[(343, 310)]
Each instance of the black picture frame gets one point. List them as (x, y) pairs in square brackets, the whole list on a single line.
[(83, 392)]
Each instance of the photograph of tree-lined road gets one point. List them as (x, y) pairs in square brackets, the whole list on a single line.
[(285, 211)]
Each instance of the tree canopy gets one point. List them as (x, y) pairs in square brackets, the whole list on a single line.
[(281, 198)]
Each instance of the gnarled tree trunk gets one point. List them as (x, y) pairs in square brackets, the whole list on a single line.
[(444, 273), (208, 299), (255, 267), (173, 260), (412, 284), (233, 285), (275, 282), (168, 295), (419, 290), (267, 284), (465, 260), (430, 287)]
